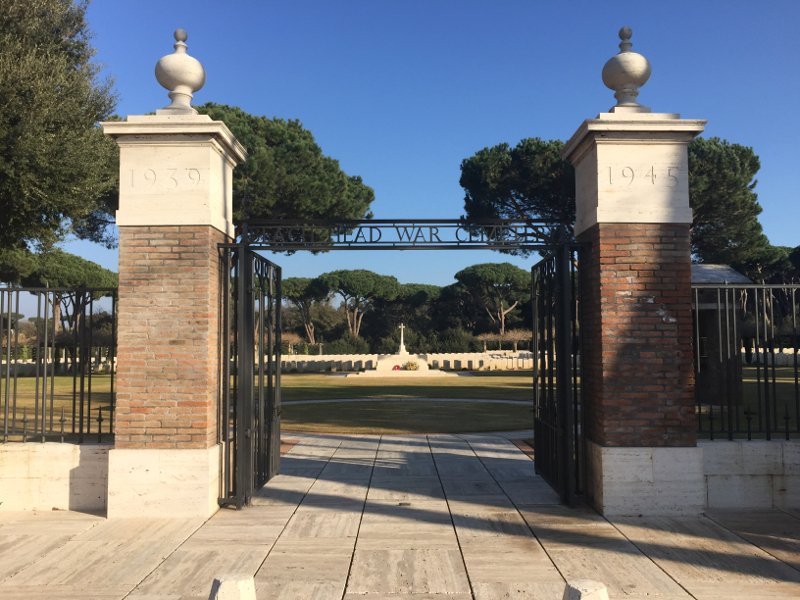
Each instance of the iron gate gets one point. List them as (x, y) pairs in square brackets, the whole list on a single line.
[(250, 372), (250, 333), (557, 436)]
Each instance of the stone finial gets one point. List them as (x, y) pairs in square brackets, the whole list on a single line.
[(625, 73), (181, 74)]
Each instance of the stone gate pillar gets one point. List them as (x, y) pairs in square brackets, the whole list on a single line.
[(175, 208), (633, 220)]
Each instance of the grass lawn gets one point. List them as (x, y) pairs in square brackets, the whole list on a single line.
[(412, 416), (386, 416), (57, 397), (784, 398), (496, 385)]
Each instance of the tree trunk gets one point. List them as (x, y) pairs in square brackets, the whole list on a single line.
[(309, 327), (502, 314), (350, 319), (357, 321)]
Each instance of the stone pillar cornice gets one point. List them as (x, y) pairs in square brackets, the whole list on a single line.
[(148, 128), (632, 127)]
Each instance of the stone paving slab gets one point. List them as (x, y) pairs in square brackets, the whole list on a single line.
[(441, 517), (26, 538), (418, 570), (709, 560), (65, 592), (124, 552), (404, 488), (776, 532), (190, 569), (305, 568)]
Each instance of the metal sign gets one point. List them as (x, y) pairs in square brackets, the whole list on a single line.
[(406, 234)]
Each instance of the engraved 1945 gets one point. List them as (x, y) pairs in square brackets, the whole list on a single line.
[(648, 175)]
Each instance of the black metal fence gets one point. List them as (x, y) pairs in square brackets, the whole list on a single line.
[(58, 364), (746, 361), (557, 425), (250, 363)]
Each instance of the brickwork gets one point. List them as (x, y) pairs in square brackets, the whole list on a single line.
[(636, 317), (168, 328)]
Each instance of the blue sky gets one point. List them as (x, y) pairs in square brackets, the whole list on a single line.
[(401, 91)]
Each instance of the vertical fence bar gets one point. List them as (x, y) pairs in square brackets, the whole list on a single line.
[(563, 364), (262, 345), (774, 341), (86, 362), (575, 348), (738, 373), (768, 407), (795, 335), (275, 387), (112, 358), (244, 408), (721, 365), (758, 353), (5, 389), (228, 354)]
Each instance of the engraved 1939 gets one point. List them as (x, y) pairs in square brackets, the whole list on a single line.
[(169, 178), (667, 176)]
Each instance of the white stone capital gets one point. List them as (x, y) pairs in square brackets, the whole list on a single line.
[(175, 170), (632, 168)]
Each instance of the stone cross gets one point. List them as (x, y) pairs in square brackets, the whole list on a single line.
[(402, 343)]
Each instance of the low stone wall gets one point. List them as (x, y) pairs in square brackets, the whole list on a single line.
[(29, 368), (53, 476), (754, 474), (466, 361), (738, 474)]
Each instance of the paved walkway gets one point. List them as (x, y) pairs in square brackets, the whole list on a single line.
[(403, 518)]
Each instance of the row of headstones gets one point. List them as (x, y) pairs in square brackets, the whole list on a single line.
[(445, 362)]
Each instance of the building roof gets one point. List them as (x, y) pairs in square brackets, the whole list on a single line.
[(705, 273)]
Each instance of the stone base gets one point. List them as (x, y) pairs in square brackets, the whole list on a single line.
[(387, 363), (646, 481), (752, 474), (53, 476), (163, 482)]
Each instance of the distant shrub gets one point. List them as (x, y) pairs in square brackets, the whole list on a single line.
[(452, 340), (347, 345)]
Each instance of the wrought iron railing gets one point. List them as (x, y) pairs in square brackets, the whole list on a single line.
[(58, 364), (747, 381)]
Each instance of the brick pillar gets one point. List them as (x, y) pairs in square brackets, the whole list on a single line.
[(168, 336), (175, 208), (633, 219)]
